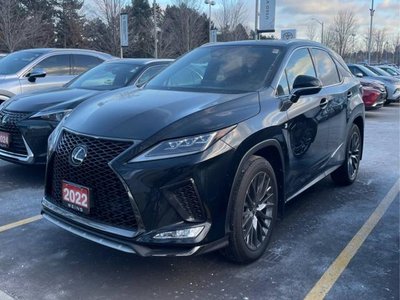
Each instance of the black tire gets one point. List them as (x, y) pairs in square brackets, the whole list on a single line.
[(348, 171), (253, 211)]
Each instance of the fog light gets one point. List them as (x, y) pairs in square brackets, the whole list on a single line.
[(189, 233)]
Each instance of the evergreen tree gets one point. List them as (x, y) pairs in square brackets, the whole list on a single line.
[(140, 22), (70, 24)]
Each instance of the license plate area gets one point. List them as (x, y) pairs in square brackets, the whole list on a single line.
[(76, 197), (5, 139)]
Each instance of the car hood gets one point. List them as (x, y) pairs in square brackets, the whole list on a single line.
[(140, 114), (49, 100)]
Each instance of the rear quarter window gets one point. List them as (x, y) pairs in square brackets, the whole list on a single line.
[(326, 68)]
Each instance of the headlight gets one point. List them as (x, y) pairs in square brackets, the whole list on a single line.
[(52, 116), (182, 146)]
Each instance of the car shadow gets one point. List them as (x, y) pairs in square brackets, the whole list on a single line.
[(13, 175)]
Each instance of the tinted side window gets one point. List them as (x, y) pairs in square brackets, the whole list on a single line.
[(82, 63), (149, 74), (299, 64), (326, 68), (56, 65), (343, 71)]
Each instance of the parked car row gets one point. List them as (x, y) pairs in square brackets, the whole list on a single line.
[(27, 120), (374, 77), (203, 157)]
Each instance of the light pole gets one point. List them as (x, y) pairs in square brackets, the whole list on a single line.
[(354, 47), (371, 11), (155, 29), (256, 23), (322, 29), (210, 3)]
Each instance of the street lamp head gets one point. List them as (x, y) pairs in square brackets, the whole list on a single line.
[(210, 2)]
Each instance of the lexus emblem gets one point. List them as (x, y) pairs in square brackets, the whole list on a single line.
[(78, 155)]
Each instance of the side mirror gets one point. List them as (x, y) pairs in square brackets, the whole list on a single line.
[(359, 75), (36, 73), (305, 85)]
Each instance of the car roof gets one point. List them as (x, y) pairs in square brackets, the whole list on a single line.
[(71, 50), (139, 61), (281, 43)]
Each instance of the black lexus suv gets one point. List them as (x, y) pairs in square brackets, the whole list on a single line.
[(208, 153)]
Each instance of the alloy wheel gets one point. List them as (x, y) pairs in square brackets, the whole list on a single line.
[(353, 160), (258, 210)]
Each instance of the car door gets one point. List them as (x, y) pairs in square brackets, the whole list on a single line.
[(337, 92), (58, 72), (306, 132)]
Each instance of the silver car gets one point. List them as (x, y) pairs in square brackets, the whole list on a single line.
[(38, 69)]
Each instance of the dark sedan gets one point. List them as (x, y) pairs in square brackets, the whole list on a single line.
[(208, 153), (26, 121)]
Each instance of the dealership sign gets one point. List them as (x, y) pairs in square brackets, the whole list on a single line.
[(124, 29), (288, 34), (267, 16)]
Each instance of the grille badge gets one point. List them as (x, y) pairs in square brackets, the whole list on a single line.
[(78, 155)]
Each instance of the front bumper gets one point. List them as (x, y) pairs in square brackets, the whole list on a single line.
[(166, 195), (34, 134), (62, 220), (394, 94)]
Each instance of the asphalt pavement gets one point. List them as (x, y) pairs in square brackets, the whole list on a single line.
[(41, 261)]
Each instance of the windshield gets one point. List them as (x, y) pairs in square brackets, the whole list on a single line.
[(378, 71), (391, 71), (221, 69), (14, 62), (107, 76)]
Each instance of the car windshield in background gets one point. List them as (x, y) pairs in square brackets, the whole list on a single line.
[(221, 69), (14, 62), (107, 76), (390, 71), (378, 71)]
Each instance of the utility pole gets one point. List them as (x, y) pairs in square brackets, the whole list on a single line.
[(372, 11), (322, 28), (210, 3), (155, 29)]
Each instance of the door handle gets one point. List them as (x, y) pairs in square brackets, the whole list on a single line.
[(324, 103), (349, 94)]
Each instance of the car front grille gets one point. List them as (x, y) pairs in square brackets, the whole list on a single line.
[(8, 123), (110, 202)]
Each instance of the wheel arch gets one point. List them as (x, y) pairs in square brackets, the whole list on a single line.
[(270, 150)]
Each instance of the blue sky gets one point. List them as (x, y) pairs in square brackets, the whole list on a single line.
[(297, 14)]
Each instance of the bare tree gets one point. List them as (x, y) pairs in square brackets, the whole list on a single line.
[(311, 31), (379, 39), (344, 25), (183, 28), (229, 17), (395, 41), (108, 11), (16, 27)]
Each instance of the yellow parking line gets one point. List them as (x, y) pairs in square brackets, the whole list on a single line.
[(328, 279), (20, 223)]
